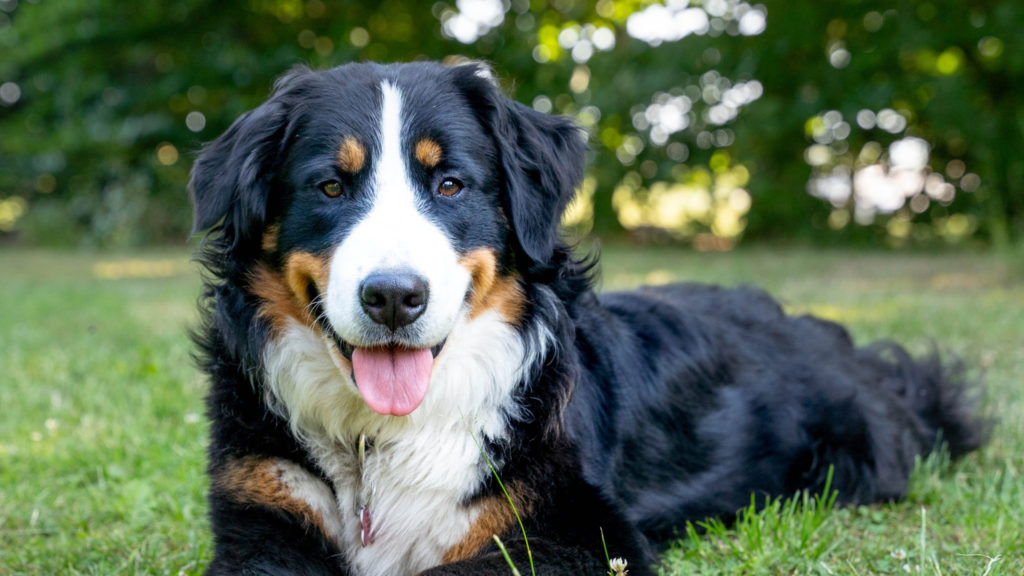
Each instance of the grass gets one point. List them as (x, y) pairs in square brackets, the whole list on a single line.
[(102, 436)]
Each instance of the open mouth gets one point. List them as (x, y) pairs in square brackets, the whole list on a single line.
[(347, 349), (392, 378)]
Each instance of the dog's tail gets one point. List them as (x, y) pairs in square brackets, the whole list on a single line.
[(938, 391)]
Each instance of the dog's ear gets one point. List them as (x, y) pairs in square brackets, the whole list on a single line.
[(232, 176), (541, 156)]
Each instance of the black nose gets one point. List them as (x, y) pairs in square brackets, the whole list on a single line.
[(393, 298)]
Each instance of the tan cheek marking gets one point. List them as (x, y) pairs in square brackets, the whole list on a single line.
[(496, 518), (287, 296), (259, 481), (351, 155), (278, 301), (428, 152), (490, 291), (482, 265), (303, 271), (508, 299)]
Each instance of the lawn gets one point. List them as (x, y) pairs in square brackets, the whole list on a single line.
[(102, 435)]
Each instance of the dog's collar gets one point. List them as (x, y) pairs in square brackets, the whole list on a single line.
[(367, 535)]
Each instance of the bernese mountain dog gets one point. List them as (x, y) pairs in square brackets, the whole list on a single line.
[(409, 365)]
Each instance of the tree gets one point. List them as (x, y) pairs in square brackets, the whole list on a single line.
[(709, 120)]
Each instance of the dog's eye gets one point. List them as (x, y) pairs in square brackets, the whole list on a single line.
[(331, 188), (449, 187)]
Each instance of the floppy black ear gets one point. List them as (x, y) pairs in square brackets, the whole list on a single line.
[(232, 176), (542, 157)]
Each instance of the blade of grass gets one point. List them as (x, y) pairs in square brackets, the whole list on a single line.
[(604, 545), (511, 564), (494, 471)]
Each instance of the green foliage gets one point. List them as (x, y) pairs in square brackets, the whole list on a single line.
[(103, 104)]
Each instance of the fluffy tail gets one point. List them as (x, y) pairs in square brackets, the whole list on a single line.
[(938, 391)]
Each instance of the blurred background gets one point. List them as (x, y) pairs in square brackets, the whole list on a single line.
[(711, 122), (775, 126)]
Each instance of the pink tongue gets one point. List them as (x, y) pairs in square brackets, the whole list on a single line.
[(392, 380)]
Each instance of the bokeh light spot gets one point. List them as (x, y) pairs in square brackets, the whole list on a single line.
[(948, 63), (10, 93), (839, 58), (196, 94), (473, 19), (990, 47), (11, 210), (955, 169), (307, 39), (195, 121), (753, 22), (167, 154), (580, 79), (970, 182), (359, 37), (873, 21), (46, 183), (323, 46)]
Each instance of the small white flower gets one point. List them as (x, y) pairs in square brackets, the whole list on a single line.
[(618, 566)]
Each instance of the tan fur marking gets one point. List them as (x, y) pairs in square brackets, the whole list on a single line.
[(483, 267), (302, 271), (351, 155), (490, 291), (279, 302), (508, 299), (257, 481), (496, 518), (270, 238), (428, 152), (287, 296)]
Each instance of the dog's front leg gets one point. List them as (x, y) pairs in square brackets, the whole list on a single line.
[(550, 558), (272, 517), (569, 541)]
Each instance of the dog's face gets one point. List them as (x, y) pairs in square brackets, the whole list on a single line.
[(384, 205)]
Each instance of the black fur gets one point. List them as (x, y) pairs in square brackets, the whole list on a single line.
[(652, 408)]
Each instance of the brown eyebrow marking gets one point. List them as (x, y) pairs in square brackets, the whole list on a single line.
[(351, 155), (428, 152)]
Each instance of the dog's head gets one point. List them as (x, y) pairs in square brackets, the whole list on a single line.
[(385, 204)]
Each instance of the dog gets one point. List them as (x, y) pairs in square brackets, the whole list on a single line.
[(409, 365)]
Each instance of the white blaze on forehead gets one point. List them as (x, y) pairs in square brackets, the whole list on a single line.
[(394, 234), (391, 175)]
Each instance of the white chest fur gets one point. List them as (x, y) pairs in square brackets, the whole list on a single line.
[(414, 492), (420, 468)]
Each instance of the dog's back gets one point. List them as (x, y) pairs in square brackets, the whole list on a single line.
[(714, 394)]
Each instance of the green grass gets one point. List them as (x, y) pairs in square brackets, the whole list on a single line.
[(102, 434)]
